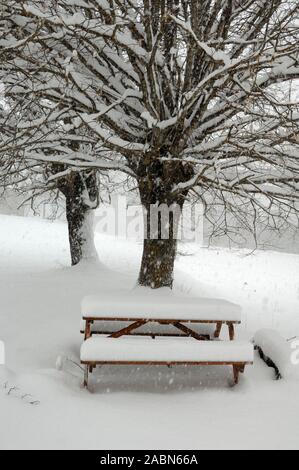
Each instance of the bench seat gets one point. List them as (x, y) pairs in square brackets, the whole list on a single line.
[(137, 350)]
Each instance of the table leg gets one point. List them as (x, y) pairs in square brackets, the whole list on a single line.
[(231, 330), (86, 376), (236, 374), (190, 332), (87, 329), (218, 330), (128, 329)]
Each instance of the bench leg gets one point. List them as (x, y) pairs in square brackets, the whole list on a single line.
[(87, 329), (236, 374), (218, 330), (231, 330), (86, 376)]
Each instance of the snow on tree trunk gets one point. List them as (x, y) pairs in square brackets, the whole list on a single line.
[(81, 233), (89, 251), (81, 191)]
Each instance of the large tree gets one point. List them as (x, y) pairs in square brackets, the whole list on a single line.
[(180, 92)]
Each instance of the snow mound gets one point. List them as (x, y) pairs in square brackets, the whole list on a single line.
[(278, 353)]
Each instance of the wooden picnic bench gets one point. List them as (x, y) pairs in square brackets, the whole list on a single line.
[(175, 347)]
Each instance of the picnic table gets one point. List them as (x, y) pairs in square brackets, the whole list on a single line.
[(151, 311), (140, 316)]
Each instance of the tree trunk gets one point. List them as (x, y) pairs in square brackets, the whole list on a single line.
[(160, 242), (157, 264), (81, 235), (81, 194)]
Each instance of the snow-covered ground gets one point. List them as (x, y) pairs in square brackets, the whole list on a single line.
[(153, 408)]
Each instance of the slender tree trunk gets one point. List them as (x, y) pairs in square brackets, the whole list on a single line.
[(81, 235), (81, 194)]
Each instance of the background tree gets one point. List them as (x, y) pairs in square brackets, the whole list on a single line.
[(38, 183), (177, 94)]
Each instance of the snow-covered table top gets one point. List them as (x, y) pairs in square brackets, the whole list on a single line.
[(165, 350), (155, 306)]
